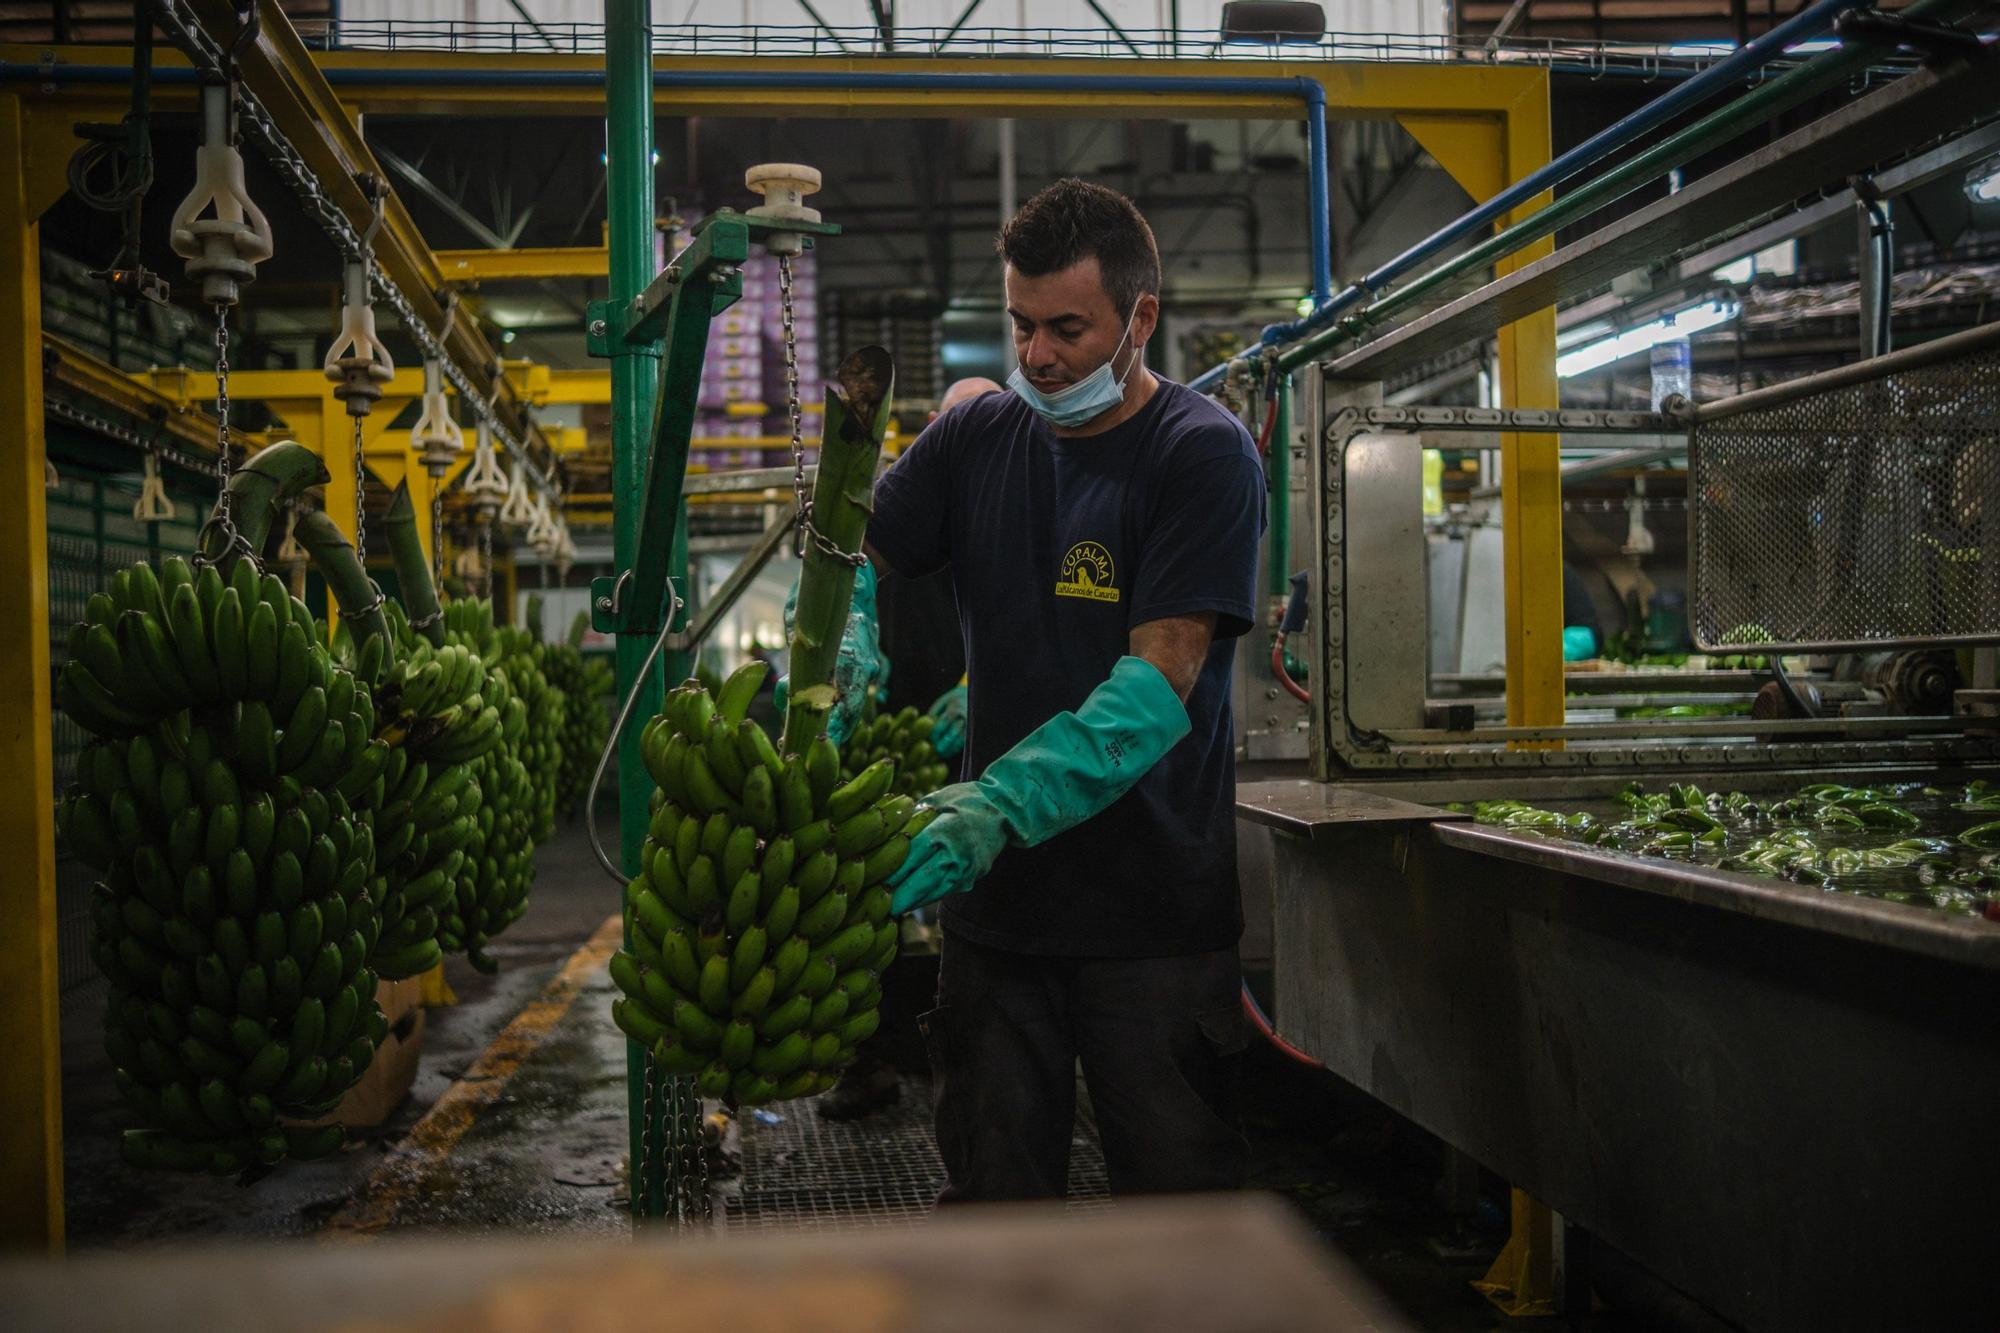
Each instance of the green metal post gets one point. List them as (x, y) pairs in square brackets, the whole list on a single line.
[(628, 166)]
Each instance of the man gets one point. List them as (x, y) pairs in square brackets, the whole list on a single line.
[(920, 636), (1101, 527)]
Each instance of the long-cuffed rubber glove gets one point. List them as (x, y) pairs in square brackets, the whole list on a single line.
[(1062, 773), (857, 667), (948, 722)]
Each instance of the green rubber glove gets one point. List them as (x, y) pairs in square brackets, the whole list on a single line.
[(948, 728), (859, 665), (1062, 773)]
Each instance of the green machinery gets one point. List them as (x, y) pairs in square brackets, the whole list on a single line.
[(654, 328)]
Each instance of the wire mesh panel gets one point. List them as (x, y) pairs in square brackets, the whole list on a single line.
[(1864, 515), (802, 1172)]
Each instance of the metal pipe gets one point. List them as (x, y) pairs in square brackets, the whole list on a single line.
[(1278, 582), (1766, 48), (1726, 123), (1860, 372), (628, 167)]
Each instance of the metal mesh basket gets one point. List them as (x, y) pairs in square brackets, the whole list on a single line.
[(1854, 510)]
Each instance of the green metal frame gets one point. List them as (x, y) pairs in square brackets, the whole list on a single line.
[(651, 318)]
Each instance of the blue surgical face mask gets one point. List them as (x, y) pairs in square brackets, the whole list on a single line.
[(1084, 401)]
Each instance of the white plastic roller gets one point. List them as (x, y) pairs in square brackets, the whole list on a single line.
[(224, 248), (784, 186)]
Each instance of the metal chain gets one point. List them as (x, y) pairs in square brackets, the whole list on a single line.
[(486, 559), (437, 530), (224, 519), (254, 121), (792, 406), (646, 1169), (805, 531), (361, 532)]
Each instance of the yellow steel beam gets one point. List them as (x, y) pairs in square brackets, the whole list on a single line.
[(31, 1179), (180, 408), (513, 265), (579, 387), (1485, 154)]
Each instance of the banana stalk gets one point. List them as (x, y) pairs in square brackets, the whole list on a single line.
[(413, 567), (272, 477), (334, 557), (857, 416)]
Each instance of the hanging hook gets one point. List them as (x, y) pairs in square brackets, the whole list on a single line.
[(153, 504), (290, 553), (436, 436), (225, 249), (358, 363)]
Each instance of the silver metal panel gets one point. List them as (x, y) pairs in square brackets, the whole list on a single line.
[(1444, 564), (1782, 1122), (1868, 130), (1853, 510), (1388, 626)]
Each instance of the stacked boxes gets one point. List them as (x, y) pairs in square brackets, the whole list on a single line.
[(743, 389)]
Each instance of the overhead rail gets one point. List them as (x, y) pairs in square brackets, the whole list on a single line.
[(212, 63), (1596, 59), (1308, 338)]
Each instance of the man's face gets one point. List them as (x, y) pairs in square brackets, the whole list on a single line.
[(1065, 325)]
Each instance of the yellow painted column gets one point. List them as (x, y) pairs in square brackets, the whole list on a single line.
[(1531, 465), (1485, 154), (31, 1177)]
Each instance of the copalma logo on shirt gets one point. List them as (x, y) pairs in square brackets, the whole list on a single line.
[(1087, 573)]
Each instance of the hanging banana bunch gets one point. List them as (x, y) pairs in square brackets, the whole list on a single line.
[(759, 925), (584, 684), (220, 799), (904, 739)]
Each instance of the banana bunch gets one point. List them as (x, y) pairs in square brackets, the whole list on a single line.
[(434, 697), (583, 684), (904, 739), (237, 906), (470, 621), (499, 869), (760, 924)]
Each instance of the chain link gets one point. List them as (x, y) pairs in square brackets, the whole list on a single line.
[(184, 27), (805, 530), (437, 530), (224, 519), (792, 406)]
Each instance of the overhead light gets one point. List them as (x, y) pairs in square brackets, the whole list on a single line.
[(506, 335), (1681, 324), (1306, 306), (1982, 183), (1742, 270), (1686, 49)]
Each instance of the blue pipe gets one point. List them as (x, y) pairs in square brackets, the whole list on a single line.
[(1806, 24), (1308, 91)]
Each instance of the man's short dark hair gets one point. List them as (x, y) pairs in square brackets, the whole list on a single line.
[(1073, 220)]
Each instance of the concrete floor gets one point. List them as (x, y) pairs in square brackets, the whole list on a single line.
[(545, 1154)]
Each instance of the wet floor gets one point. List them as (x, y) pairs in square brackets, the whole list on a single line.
[(544, 1152)]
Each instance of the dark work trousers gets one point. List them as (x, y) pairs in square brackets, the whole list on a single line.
[(1160, 1040)]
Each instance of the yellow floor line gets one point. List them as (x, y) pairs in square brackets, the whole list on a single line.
[(432, 1138)]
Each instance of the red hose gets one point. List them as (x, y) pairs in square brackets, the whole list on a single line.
[(1263, 1025), (1270, 423), (1292, 687)]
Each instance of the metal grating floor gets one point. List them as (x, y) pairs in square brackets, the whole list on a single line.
[(805, 1173)]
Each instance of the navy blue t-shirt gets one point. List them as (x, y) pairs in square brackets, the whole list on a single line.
[(1057, 548)]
